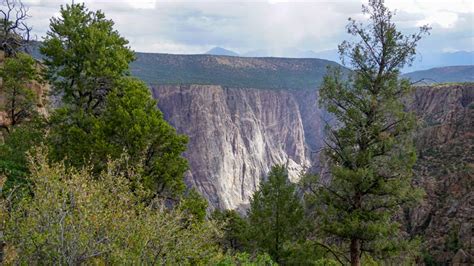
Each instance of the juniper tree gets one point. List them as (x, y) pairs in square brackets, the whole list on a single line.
[(369, 147)]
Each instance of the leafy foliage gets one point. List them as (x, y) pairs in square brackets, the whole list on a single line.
[(370, 149), (76, 218), (245, 259)]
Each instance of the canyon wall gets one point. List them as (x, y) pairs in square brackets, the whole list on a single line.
[(236, 135), (445, 170)]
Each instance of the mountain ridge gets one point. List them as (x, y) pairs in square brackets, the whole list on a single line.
[(230, 71), (443, 74)]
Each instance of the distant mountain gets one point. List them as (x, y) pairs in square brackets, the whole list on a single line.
[(443, 74), (427, 60), (221, 51), (236, 72)]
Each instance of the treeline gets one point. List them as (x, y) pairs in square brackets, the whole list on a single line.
[(98, 175)]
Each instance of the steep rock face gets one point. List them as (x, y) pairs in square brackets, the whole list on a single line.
[(445, 143), (236, 135)]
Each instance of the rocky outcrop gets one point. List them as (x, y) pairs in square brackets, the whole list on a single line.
[(236, 135), (445, 169)]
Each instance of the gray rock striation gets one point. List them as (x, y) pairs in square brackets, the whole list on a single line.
[(236, 135)]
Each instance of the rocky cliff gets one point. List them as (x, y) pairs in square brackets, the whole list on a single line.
[(236, 135), (445, 169)]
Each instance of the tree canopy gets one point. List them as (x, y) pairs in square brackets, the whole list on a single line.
[(84, 56)]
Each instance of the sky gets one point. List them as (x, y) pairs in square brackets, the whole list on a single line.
[(276, 26)]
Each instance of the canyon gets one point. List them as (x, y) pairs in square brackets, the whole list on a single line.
[(237, 132)]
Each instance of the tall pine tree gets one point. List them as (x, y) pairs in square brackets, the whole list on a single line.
[(369, 148)]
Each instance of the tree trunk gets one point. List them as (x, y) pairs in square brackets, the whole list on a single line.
[(355, 252)]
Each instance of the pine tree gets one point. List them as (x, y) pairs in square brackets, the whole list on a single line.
[(369, 147), (84, 56), (275, 215), (234, 227)]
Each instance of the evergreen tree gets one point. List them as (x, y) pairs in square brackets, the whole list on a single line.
[(13, 155), (20, 100), (104, 113), (84, 56), (130, 123), (234, 227), (370, 148), (194, 206), (275, 216)]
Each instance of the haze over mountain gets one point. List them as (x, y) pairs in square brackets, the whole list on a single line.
[(443, 74)]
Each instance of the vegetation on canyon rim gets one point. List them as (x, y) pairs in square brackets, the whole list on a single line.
[(100, 178)]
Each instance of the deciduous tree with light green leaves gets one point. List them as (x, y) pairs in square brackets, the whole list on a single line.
[(369, 147), (77, 217)]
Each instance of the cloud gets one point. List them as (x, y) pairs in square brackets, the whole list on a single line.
[(273, 25)]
